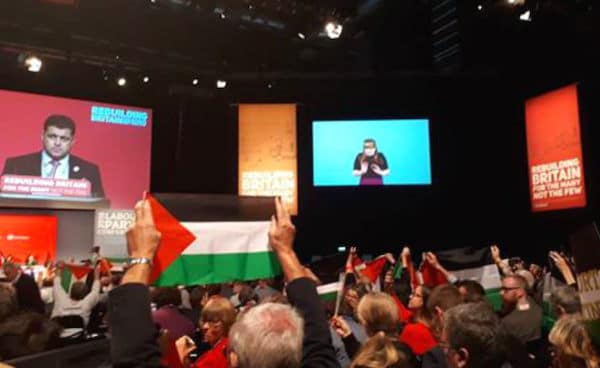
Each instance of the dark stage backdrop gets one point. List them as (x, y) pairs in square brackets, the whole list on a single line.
[(479, 193)]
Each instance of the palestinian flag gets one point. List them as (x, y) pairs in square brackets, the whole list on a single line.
[(72, 274), (474, 264), (210, 239), (329, 292), (431, 276), (372, 269)]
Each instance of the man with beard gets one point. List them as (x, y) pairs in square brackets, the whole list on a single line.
[(521, 316)]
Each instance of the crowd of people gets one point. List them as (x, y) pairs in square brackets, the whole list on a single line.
[(389, 322)]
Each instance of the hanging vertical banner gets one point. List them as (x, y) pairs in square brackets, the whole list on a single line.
[(267, 152), (556, 175)]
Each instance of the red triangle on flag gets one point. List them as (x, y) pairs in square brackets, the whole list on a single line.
[(105, 266), (374, 268), (432, 277), (78, 271), (174, 238)]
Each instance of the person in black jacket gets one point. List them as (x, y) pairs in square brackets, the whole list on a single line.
[(28, 292), (134, 337)]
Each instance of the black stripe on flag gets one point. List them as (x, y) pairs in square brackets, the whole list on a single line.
[(216, 207), (463, 258)]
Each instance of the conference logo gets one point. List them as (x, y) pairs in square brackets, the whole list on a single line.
[(13, 237)]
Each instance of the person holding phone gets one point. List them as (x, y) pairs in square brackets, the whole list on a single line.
[(370, 164)]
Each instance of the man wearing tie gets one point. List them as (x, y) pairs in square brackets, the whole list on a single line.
[(56, 160)]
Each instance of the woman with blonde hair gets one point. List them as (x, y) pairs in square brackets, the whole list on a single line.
[(378, 313), (572, 344), (380, 351)]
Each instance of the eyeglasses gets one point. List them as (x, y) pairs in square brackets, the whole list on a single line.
[(210, 323)]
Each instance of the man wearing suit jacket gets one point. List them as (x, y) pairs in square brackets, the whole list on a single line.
[(28, 292), (56, 160)]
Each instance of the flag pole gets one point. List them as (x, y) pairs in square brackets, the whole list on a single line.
[(338, 300)]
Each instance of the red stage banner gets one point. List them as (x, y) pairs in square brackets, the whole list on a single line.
[(23, 236), (556, 174), (34, 185)]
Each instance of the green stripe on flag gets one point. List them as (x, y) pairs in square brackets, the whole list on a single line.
[(66, 279), (398, 270), (206, 269), (328, 292), (495, 298)]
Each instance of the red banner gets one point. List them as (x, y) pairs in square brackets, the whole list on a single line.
[(24, 236), (556, 174)]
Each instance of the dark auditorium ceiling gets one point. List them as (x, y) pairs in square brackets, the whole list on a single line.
[(285, 37)]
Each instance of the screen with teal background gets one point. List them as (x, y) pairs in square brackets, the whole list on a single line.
[(404, 143)]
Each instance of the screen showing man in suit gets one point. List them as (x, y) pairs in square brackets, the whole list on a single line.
[(55, 161), (73, 151)]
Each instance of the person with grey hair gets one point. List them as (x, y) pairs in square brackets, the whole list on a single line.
[(565, 301), (268, 336), (27, 290), (473, 337)]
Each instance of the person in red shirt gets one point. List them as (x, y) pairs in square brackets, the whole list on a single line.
[(417, 334), (217, 318)]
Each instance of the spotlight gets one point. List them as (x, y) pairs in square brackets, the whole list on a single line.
[(146, 79), (480, 7), (270, 85), (221, 84), (33, 64), (526, 17), (333, 30), (511, 1), (195, 82), (301, 36), (122, 81), (223, 16)]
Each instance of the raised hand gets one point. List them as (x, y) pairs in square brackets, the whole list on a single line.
[(281, 238), (390, 258), (496, 253), (142, 236), (431, 258), (341, 327), (282, 231)]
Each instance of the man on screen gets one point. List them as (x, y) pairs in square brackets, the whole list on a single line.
[(55, 160), (370, 164)]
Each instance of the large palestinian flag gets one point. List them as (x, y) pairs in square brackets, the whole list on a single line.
[(469, 263), (209, 239)]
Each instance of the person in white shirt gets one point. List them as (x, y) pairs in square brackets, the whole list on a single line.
[(76, 302)]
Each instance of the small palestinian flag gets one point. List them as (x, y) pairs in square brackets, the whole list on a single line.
[(210, 239), (73, 273), (329, 292), (372, 269)]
